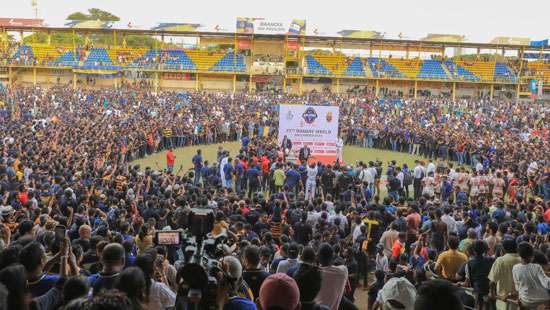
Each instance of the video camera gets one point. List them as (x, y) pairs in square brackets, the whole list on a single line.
[(197, 282)]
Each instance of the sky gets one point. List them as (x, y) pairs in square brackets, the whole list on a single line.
[(478, 20)]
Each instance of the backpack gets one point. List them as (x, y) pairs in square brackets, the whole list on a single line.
[(407, 178)]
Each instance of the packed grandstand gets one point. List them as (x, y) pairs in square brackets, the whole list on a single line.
[(465, 225), (289, 63)]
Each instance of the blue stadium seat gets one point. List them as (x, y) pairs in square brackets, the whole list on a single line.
[(23, 50), (176, 60), (503, 72), (380, 67), (355, 68), (230, 62), (432, 69), (147, 60), (69, 59), (459, 73), (98, 58), (315, 67)]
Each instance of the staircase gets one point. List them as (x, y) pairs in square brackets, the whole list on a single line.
[(449, 75), (366, 67)]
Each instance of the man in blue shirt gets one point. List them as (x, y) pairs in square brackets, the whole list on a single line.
[(197, 164), (205, 171), (33, 258), (253, 176), (112, 260), (292, 179), (228, 174), (244, 142), (239, 172)]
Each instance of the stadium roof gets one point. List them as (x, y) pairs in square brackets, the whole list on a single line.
[(317, 41)]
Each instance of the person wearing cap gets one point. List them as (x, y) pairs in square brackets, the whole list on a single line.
[(397, 293), (231, 286), (279, 291), (292, 259), (334, 278)]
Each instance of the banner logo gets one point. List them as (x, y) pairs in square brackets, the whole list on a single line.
[(309, 115)]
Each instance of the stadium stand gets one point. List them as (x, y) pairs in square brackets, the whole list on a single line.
[(176, 59), (24, 52), (124, 56), (203, 59), (504, 73), (147, 60), (335, 63), (355, 68), (45, 54), (69, 58), (315, 67), (98, 58), (381, 68), (459, 73), (542, 69), (230, 62), (432, 69), (408, 67), (484, 70)]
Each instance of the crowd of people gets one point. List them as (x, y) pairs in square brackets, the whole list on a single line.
[(467, 226)]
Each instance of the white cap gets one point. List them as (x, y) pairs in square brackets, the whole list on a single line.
[(399, 290)]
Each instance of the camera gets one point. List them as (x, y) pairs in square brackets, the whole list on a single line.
[(197, 282)]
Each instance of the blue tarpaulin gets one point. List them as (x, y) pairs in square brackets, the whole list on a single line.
[(539, 43)]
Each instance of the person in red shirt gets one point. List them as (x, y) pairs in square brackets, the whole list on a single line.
[(170, 160), (398, 246), (23, 195)]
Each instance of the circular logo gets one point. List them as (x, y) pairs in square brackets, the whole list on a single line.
[(309, 115)]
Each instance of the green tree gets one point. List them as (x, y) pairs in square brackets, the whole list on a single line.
[(94, 14)]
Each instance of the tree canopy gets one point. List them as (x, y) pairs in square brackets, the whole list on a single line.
[(66, 39), (94, 14)]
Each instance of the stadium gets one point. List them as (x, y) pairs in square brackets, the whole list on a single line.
[(274, 165), (289, 63)]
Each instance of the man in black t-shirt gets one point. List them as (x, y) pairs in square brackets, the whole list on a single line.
[(252, 274), (327, 180), (303, 231)]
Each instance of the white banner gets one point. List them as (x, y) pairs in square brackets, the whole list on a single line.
[(315, 126)]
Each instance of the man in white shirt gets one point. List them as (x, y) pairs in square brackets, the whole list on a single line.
[(431, 167), (366, 176), (291, 261), (418, 174), (334, 278), (222, 164), (530, 281), (449, 220), (479, 166), (339, 150), (452, 174), (343, 219), (311, 181), (400, 176)]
